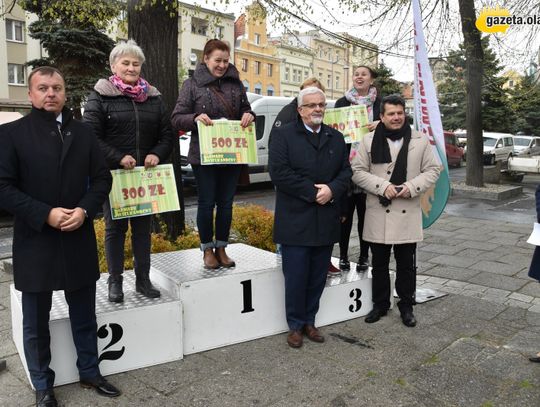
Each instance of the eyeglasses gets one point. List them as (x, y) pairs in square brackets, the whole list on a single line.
[(314, 105)]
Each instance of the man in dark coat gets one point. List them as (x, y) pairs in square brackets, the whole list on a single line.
[(308, 165), (53, 178)]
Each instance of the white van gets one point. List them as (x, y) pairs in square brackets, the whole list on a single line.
[(266, 108), (526, 146), (497, 147)]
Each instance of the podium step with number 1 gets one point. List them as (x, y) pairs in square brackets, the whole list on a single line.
[(227, 306)]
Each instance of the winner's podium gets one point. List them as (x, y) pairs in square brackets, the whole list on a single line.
[(137, 333), (227, 306), (198, 310)]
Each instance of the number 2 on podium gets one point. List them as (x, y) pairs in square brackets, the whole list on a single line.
[(248, 297)]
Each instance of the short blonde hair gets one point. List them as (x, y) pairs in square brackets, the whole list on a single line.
[(312, 82), (128, 47)]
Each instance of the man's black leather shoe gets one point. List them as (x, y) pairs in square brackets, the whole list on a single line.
[(45, 398), (374, 315), (408, 319), (145, 287), (102, 386), (115, 289)]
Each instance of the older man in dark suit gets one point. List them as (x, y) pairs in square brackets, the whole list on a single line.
[(310, 168), (53, 178)]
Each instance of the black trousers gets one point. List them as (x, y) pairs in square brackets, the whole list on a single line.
[(115, 238), (358, 202), (405, 274), (36, 336), (305, 269)]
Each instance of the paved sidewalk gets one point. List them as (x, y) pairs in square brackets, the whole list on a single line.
[(470, 348)]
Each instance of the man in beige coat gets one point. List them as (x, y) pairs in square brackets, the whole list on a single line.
[(395, 165)]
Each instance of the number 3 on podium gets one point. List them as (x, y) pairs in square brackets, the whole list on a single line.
[(355, 294)]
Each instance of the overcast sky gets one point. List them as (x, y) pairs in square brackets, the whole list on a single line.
[(394, 36)]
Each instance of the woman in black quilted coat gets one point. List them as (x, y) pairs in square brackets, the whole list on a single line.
[(129, 119)]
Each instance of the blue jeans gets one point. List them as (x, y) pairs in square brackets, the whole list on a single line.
[(115, 237), (216, 185), (305, 269), (36, 336)]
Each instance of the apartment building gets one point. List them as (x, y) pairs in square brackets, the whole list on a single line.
[(296, 63), (254, 56), (16, 48), (331, 64)]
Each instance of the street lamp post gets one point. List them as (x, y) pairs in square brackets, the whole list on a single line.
[(332, 80)]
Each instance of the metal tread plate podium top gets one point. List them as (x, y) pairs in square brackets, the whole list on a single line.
[(187, 265), (132, 299)]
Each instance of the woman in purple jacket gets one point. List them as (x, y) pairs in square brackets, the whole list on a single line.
[(214, 92)]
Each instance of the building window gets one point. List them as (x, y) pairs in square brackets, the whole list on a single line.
[(244, 64), (246, 85), (306, 73), (258, 89), (337, 82), (269, 69), (198, 26), (294, 77), (270, 91), (220, 32), (329, 81), (257, 68), (15, 30), (287, 73), (257, 39), (16, 74)]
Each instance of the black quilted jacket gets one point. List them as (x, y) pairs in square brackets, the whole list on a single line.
[(124, 126)]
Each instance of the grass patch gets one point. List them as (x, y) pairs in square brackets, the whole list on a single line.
[(401, 381), (525, 384), (371, 374), (432, 360)]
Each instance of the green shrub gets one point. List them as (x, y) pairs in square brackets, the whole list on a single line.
[(159, 242), (252, 225)]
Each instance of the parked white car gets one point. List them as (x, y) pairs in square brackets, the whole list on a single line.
[(497, 147)]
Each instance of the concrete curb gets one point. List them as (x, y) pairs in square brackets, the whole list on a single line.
[(500, 193)]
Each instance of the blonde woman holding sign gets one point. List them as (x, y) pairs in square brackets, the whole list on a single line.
[(214, 92), (362, 93), (133, 129)]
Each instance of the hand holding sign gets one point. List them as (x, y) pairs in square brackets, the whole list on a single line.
[(352, 121), (228, 141)]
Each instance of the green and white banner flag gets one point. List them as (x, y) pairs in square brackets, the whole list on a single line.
[(428, 122)]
